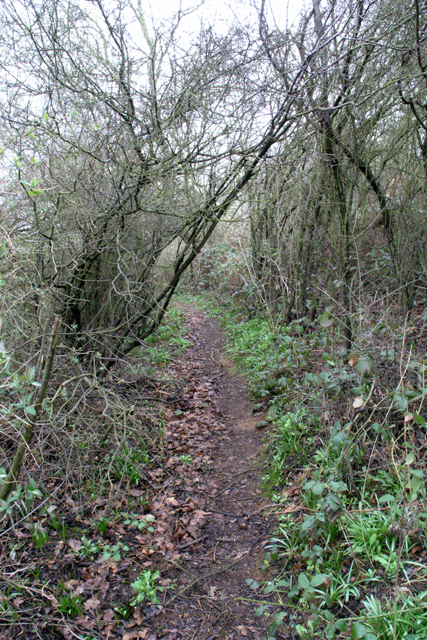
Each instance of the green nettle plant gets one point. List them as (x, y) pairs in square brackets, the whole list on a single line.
[(22, 500), (89, 548), (146, 588)]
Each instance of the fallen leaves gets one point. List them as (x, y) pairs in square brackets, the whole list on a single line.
[(141, 633), (160, 521)]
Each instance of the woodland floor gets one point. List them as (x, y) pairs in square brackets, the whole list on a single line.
[(213, 600), (210, 523)]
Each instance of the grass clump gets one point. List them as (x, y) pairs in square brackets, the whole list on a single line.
[(345, 465)]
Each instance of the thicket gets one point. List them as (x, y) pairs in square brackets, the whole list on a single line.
[(325, 275), (345, 465), (122, 150)]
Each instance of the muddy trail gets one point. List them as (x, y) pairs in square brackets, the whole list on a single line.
[(211, 598), (195, 526)]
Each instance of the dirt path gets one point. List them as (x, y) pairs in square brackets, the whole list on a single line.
[(211, 598)]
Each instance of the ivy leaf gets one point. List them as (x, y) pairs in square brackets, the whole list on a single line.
[(325, 319), (400, 402), (363, 365)]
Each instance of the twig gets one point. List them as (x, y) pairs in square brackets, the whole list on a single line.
[(226, 513), (226, 488), (27, 436), (207, 575), (192, 543), (216, 361), (236, 475), (39, 592)]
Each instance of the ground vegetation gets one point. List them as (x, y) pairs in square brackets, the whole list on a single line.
[(283, 169)]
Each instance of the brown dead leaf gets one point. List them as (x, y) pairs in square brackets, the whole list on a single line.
[(70, 502), (75, 545), (91, 604), (20, 534), (138, 615), (136, 493), (71, 584), (108, 616), (133, 635), (242, 630), (358, 402), (79, 590), (290, 508)]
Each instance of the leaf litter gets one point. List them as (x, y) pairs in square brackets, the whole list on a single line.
[(202, 525)]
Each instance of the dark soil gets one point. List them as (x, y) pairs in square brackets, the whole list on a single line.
[(209, 523), (212, 599)]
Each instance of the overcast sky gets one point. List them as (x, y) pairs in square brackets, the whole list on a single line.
[(283, 12)]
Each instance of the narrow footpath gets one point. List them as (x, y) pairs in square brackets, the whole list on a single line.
[(211, 598)]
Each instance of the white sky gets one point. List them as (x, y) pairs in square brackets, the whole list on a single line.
[(283, 12)]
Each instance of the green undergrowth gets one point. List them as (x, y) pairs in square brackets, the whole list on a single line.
[(90, 496), (345, 464), (169, 340)]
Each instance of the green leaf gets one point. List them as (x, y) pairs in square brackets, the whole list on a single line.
[(253, 584), (318, 488), (30, 373), (418, 419), (417, 479), (387, 498), (333, 502), (318, 579), (30, 411), (410, 457), (283, 583), (303, 581), (400, 402), (340, 438), (341, 625), (358, 631), (325, 319), (330, 631), (269, 588), (363, 365), (412, 393), (377, 427)]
